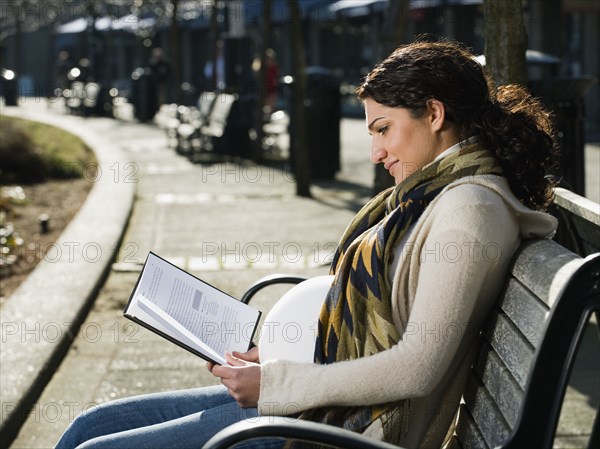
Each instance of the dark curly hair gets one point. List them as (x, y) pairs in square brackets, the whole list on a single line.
[(508, 121)]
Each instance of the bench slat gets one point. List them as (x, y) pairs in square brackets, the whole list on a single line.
[(539, 261), (219, 114), (500, 383), (467, 432), (486, 415), (578, 206), (510, 344), (525, 310)]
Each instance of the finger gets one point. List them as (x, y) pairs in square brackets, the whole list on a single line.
[(210, 366), (240, 355), (221, 371), (249, 356), (233, 360)]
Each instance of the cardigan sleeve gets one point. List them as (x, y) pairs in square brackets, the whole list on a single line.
[(450, 285)]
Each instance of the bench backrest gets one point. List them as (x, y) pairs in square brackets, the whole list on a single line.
[(219, 114), (518, 380), (205, 103), (579, 222)]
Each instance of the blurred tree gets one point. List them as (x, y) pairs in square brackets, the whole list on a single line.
[(262, 78), (301, 166), (505, 41), (214, 37), (175, 40), (394, 26)]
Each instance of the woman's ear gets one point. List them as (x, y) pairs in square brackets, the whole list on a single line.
[(437, 114)]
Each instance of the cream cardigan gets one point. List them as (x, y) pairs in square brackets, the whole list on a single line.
[(451, 268)]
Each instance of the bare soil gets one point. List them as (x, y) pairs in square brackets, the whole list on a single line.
[(60, 200)]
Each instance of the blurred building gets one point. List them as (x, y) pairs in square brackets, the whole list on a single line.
[(341, 35)]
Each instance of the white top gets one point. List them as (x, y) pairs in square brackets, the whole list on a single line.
[(456, 147)]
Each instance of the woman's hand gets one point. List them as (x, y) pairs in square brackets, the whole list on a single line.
[(249, 356), (241, 377)]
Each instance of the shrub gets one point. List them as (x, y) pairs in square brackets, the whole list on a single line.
[(20, 160), (33, 152)]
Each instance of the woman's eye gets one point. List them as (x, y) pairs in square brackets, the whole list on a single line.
[(383, 130)]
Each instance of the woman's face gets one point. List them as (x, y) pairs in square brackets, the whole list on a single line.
[(402, 143)]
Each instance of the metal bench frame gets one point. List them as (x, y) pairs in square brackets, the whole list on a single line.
[(516, 387)]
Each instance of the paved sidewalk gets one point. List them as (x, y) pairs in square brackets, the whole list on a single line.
[(229, 224)]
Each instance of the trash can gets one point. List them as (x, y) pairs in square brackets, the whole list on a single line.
[(144, 95), (323, 115), (236, 137), (564, 97), (9, 87)]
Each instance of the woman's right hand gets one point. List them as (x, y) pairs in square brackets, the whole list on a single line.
[(249, 356)]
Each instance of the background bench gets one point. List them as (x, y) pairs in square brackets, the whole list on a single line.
[(191, 121), (526, 351), (218, 125), (194, 131)]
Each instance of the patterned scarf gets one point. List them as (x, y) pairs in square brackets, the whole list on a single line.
[(356, 318)]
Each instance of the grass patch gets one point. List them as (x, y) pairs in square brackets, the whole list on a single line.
[(34, 152)]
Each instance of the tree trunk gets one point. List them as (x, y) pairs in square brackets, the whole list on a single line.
[(262, 78), (18, 51), (176, 54), (214, 38), (393, 35), (301, 165), (505, 41)]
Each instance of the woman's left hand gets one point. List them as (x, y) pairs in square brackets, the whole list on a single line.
[(242, 379)]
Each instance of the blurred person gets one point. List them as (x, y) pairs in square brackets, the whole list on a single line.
[(160, 71), (469, 165), (271, 79), (214, 69), (62, 67)]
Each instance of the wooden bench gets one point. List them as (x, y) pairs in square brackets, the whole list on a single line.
[(195, 131), (182, 123), (191, 121), (517, 383), (214, 129), (273, 129), (74, 97), (87, 99)]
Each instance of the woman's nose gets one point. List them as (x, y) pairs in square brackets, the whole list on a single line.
[(378, 153)]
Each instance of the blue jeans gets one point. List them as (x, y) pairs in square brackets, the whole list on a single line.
[(183, 419)]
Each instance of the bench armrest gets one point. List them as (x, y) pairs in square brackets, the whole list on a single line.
[(271, 279), (290, 428)]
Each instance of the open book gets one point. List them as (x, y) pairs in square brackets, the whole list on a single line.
[(189, 312)]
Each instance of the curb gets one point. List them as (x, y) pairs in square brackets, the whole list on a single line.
[(40, 319)]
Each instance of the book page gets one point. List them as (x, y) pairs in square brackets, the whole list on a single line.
[(219, 321), (153, 315)]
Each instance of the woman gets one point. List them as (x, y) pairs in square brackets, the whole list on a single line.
[(416, 272)]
